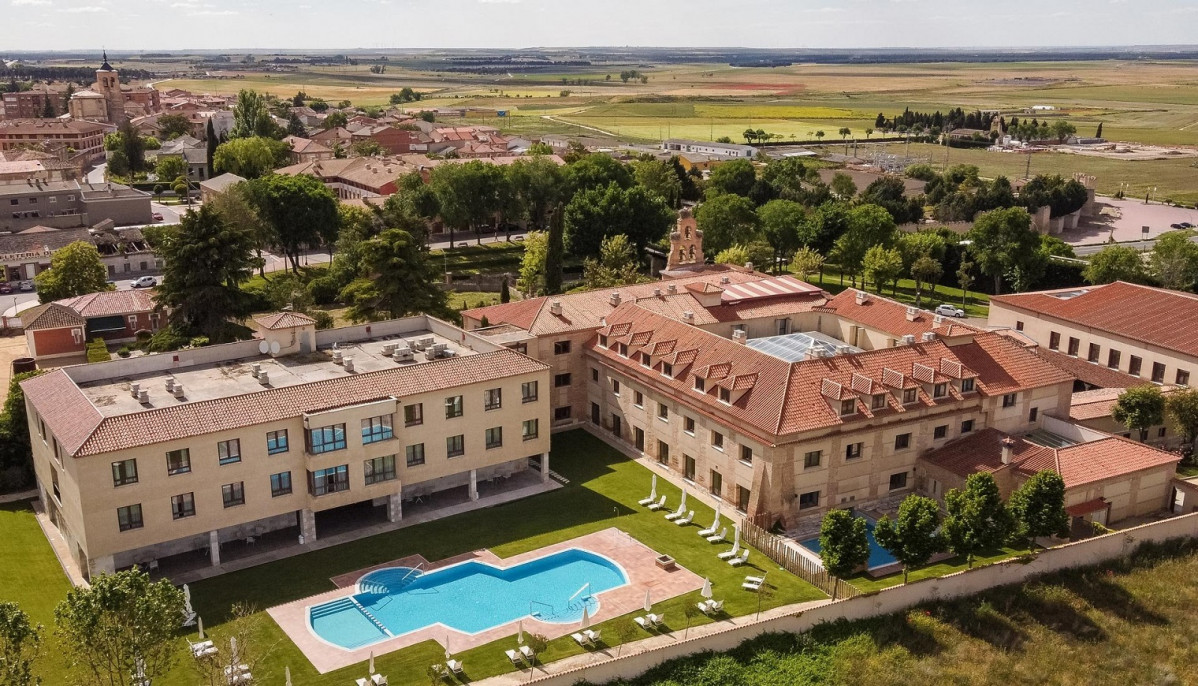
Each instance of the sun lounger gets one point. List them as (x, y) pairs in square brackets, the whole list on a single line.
[(690, 516), (752, 585), (738, 561), (717, 538), (514, 657), (650, 500), (704, 606), (754, 579), (643, 623), (593, 636), (707, 532), (527, 653), (729, 554), (659, 504), (716, 606), (656, 619), (454, 666), (676, 514), (203, 649), (581, 640), (380, 680)]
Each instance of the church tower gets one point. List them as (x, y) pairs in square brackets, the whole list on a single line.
[(686, 243), (108, 84)]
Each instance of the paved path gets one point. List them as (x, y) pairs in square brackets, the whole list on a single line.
[(11, 347)]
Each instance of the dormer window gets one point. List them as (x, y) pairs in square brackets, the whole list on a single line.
[(602, 341), (700, 384), (878, 402), (725, 396), (967, 385), (667, 369), (623, 350), (940, 390), (848, 407), (909, 395), (646, 361)]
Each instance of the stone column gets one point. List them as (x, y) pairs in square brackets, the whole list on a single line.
[(394, 507), (214, 547), (307, 522), (544, 468), (474, 484)]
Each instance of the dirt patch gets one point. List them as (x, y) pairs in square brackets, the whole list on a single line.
[(11, 347)]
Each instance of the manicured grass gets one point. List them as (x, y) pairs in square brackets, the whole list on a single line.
[(488, 258), (463, 300), (976, 304), (950, 566)]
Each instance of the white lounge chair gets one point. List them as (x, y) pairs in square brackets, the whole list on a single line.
[(752, 585), (729, 554), (738, 561), (380, 680), (676, 514), (643, 623), (514, 657), (529, 656), (704, 606), (717, 538), (690, 516), (754, 579), (650, 500), (656, 619), (581, 640), (659, 504), (707, 532), (593, 636), (716, 606), (454, 666), (202, 649)]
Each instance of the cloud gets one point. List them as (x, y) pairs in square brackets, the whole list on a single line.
[(85, 9), (26, 3)]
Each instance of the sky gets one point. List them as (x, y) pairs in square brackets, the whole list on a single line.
[(373, 24)]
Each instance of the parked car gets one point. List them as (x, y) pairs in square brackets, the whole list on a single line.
[(947, 310), (5, 289), (157, 216), (1186, 225), (27, 287), (1176, 226), (144, 282)]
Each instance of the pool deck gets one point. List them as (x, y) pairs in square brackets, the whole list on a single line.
[(637, 560)]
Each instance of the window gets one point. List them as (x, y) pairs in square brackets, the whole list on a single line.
[(688, 467), (1158, 372), (615, 386), (848, 407), (688, 425), (1010, 399), (663, 412), (667, 369), (178, 461), (1018, 325), (782, 326), (898, 481), (561, 414), (638, 399), (602, 341), (528, 390), (878, 402), (967, 385), (717, 483), (413, 415), (910, 395), (229, 452), (233, 494), (1074, 346), (414, 455), (1133, 365), (561, 347), (940, 390), (54, 488), (129, 517), (742, 498), (725, 396), (622, 350), (560, 380), (492, 398), (812, 459), (276, 442), (663, 452), (331, 480), (717, 440), (594, 375), (1112, 358), (455, 446), (940, 432), (1054, 341), (453, 407), (746, 454), (326, 439), (280, 484), (529, 430), (183, 505), (1160, 433), (124, 472), (646, 361), (853, 451), (594, 413), (700, 383), (382, 469), (377, 429), (967, 426), (638, 438), (1183, 378), (494, 437), (1093, 352), (902, 441), (809, 500)]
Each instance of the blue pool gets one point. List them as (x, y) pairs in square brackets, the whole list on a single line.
[(878, 556), (469, 597)]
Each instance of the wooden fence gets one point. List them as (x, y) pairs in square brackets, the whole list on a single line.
[(793, 561)]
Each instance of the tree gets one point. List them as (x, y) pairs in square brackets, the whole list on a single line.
[(334, 120), (965, 279), (758, 254), (1098, 133), (658, 177), (532, 264), (977, 520), (784, 224), (16, 455), (537, 185), (48, 111), (913, 536), (170, 167), (300, 211), (1062, 130), (806, 262), (212, 143), (251, 157), (505, 292), (845, 132), (595, 171), (597, 213), (537, 644), (182, 188), (882, 265), (925, 270), (735, 177), (236, 206), (690, 611), (1038, 508), (118, 163), (843, 186), (74, 270), (889, 192), (866, 226), (1063, 196), (555, 250), (626, 631), (819, 135), (1139, 408), (470, 195), (133, 146), (1116, 263), (121, 624), (398, 279), (171, 126), (1001, 240), (843, 544), (240, 649), (616, 266), (295, 127), (1174, 260), (368, 148), (20, 644), (868, 132), (1181, 408), (251, 117), (726, 220)]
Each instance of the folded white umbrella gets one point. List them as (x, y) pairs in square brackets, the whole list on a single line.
[(586, 617), (706, 592), (370, 667), (520, 636), (648, 604)]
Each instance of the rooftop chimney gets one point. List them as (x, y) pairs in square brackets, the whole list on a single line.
[(178, 391), (740, 336), (143, 397), (912, 313), (909, 339), (748, 266), (656, 292), (134, 388), (672, 289), (255, 370), (337, 357), (1008, 449), (928, 336), (555, 307), (349, 364), (170, 384), (688, 317), (725, 280), (264, 378), (614, 298), (938, 320), (862, 297)]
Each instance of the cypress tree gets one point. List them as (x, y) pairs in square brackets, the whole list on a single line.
[(1098, 133), (210, 134), (505, 295), (554, 254)]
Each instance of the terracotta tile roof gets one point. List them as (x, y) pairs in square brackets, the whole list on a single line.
[(1156, 316), (283, 320), (1097, 403), (1004, 366), (1091, 373), (50, 316), (884, 314), (82, 431), (108, 303)]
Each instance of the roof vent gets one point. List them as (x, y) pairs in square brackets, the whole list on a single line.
[(688, 317), (656, 292), (862, 297), (614, 299), (748, 266), (912, 313), (170, 384), (1008, 449), (143, 397), (337, 357), (938, 320), (134, 388), (909, 339), (928, 336), (264, 378), (816, 352), (555, 308), (672, 289), (349, 364), (255, 370), (178, 391), (725, 280), (740, 336)]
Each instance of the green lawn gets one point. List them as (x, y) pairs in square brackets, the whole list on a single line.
[(976, 304), (866, 583)]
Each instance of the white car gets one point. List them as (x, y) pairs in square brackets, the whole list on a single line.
[(949, 311), (144, 282)]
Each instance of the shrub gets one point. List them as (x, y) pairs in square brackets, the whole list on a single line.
[(323, 290), (256, 297), (143, 335), (97, 351), (166, 339), (324, 320), (198, 341), (124, 351)]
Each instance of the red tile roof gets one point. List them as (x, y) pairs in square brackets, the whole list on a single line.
[(283, 320), (1156, 316), (884, 314), (50, 316), (1090, 373), (108, 303)]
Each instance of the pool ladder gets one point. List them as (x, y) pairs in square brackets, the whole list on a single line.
[(371, 617), (417, 570)]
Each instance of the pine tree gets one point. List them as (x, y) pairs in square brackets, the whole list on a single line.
[(554, 254), (210, 134), (505, 294)]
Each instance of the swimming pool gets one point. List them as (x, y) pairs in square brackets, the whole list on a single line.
[(878, 556), (469, 597)]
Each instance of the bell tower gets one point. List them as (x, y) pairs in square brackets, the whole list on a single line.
[(686, 242), (108, 84)]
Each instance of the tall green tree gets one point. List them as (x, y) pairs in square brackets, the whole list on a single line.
[(597, 213), (537, 184), (133, 146), (785, 225), (1001, 240), (398, 280), (616, 266), (251, 157), (170, 167), (20, 645), (206, 259), (889, 192), (236, 206), (882, 265), (1139, 408), (532, 264), (806, 261), (658, 177), (925, 270), (121, 624), (16, 453), (842, 185), (251, 116), (913, 537), (1038, 508), (843, 544), (74, 270), (469, 194), (171, 126), (1181, 408), (1174, 260), (867, 226), (977, 519), (300, 211), (1116, 263), (211, 141), (726, 220), (596, 171), (735, 177), (555, 251)]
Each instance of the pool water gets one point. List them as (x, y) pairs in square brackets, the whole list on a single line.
[(469, 597), (878, 556)]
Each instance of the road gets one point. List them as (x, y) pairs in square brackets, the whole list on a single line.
[(1085, 250)]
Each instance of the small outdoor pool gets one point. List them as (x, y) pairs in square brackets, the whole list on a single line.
[(878, 556), (469, 597)]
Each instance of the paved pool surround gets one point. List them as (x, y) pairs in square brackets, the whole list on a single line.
[(636, 559)]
